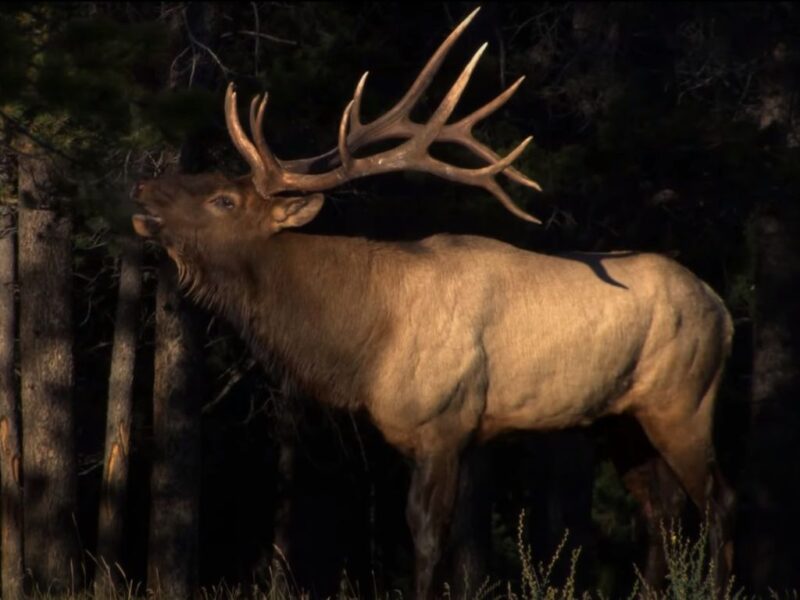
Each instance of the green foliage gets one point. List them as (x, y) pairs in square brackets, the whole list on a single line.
[(536, 579), (691, 571), (178, 113), (83, 84), (14, 56), (88, 66), (612, 507)]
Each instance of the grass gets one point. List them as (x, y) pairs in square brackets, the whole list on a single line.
[(536, 579), (692, 575)]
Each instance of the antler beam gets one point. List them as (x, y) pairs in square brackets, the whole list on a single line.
[(272, 175)]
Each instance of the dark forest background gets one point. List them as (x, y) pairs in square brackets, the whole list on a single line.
[(137, 428)]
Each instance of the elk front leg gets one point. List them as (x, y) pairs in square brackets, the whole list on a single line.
[(470, 533), (429, 509)]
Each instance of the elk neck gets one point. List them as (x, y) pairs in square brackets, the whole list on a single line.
[(306, 303)]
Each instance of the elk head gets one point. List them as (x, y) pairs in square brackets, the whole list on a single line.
[(182, 210), (199, 217)]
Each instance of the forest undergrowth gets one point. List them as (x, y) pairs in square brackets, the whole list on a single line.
[(691, 575)]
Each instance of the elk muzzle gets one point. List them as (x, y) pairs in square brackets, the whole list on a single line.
[(145, 224)]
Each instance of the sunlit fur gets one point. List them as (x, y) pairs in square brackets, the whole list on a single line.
[(396, 327), (456, 338)]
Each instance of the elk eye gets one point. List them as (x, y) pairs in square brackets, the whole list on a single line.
[(224, 202)]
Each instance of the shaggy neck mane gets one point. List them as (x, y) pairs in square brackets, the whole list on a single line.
[(306, 302)]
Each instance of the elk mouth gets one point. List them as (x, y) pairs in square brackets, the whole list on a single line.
[(145, 223)]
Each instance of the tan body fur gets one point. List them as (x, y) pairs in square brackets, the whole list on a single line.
[(497, 338), (454, 339), (488, 337)]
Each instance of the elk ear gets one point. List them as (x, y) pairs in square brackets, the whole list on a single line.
[(295, 211)]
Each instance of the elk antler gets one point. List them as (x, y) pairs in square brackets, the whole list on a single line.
[(272, 175)]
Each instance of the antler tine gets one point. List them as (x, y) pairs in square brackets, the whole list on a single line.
[(468, 122), (242, 143), (461, 133), (494, 188), (503, 163), (445, 109), (427, 74), (257, 130), (344, 153), (491, 156), (355, 105), (483, 177), (391, 124)]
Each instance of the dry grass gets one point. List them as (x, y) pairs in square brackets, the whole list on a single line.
[(691, 576)]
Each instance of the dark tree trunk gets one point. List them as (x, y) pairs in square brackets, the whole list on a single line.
[(767, 552), (287, 441), (46, 361), (178, 392), (175, 479), (11, 567), (120, 408)]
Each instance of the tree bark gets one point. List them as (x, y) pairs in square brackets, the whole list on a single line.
[(175, 479), (286, 438), (120, 408), (178, 388), (11, 563), (767, 551), (46, 362)]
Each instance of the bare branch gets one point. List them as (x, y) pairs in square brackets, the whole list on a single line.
[(225, 70), (267, 36)]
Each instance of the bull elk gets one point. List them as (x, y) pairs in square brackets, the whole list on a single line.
[(453, 339)]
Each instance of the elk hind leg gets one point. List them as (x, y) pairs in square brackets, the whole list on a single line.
[(661, 500), (684, 440), (659, 495)]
